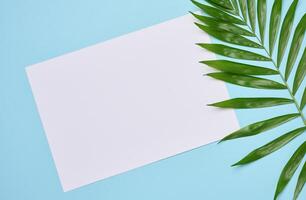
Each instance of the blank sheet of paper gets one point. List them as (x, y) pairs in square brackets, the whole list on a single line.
[(128, 102)]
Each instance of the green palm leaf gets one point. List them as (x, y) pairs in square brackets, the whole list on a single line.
[(228, 36), (274, 23), (252, 13), (300, 73), (243, 7), (235, 7), (221, 25), (245, 103), (295, 45), (238, 68), (261, 126), (233, 52), (303, 101), (217, 13), (247, 81), (221, 4), (300, 183), (270, 147), (231, 26), (224, 3), (261, 13), (285, 31), (290, 168)]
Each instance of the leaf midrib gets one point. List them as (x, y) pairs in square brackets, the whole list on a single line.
[(276, 68)]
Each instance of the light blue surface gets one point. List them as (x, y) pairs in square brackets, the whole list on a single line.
[(32, 31)]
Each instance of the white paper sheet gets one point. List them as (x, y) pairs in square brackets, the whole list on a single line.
[(127, 102)]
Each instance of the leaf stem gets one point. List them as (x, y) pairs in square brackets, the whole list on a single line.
[(277, 69)]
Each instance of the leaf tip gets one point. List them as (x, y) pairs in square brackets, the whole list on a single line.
[(193, 14), (220, 141), (226, 138), (193, 1), (239, 163), (198, 24), (235, 164), (275, 196), (203, 62)]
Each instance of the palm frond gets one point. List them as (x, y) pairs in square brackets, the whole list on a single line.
[(290, 169), (243, 7), (233, 52), (247, 81), (303, 100), (271, 146), (252, 13), (234, 23), (300, 183), (222, 26), (260, 127), (295, 45), (247, 103), (300, 73), (238, 68), (285, 31), (228, 36), (275, 20), (262, 18)]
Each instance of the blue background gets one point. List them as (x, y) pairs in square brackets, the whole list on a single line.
[(34, 30)]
